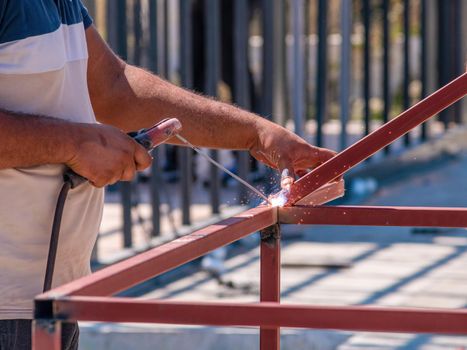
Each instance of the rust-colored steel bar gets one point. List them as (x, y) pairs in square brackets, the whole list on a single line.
[(353, 318), (380, 138), (270, 285), (324, 194), (374, 216), (156, 261), (46, 335)]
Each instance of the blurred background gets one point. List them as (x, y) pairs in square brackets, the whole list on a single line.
[(332, 71)]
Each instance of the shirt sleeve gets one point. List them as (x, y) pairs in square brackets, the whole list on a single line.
[(87, 19)]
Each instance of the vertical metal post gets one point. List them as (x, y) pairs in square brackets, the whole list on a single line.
[(309, 106), (346, 24), (121, 28), (367, 64), (270, 281), (212, 65), (406, 96), (46, 335), (298, 66), (458, 66), (117, 27), (423, 61), (153, 39), (155, 195), (271, 35), (279, 102), (241, 80), (321, 85), (155, 168), (386, 63), (125, 192), (267, 85), (166, 36), (450, 61), (137, 31), (186, 74)]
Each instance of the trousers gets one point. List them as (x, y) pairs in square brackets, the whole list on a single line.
[(16, 335)]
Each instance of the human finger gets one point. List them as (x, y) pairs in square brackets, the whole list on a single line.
[(142, 158)]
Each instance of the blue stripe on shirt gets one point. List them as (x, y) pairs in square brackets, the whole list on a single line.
[(20, 19)]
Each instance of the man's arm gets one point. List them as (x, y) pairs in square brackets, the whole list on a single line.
[(102, 154), (131, 98), (32, 140)]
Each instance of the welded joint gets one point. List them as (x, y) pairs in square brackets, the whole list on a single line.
[(49, 310), (271, 235), (49, 326)]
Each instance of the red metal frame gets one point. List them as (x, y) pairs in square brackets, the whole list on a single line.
[(86, 298)]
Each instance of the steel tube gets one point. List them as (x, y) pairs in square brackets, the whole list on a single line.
[(386, 65), (298, 86), (279, 78), (156, 261), (366, 64), (380, 138), (125, 192), (321, 83), (270, 282), (241, 82), (186, 74), (46, 335), (137, 32), (423, 60), (268, 61), (213, 69), (406, 95), (346, 53), (353, 318), (153, 65), (374, 216)]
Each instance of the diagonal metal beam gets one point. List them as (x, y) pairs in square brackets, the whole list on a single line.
[(378, 139), (142, 267)]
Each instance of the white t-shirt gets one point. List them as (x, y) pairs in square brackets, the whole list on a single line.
[(43, 68)]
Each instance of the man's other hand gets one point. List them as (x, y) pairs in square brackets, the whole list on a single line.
[(104, 155), (281, 149)]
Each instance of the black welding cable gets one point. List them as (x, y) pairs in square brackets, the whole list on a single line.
[(54, 235)]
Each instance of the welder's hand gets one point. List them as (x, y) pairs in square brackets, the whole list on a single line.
[(104, 155), (281, 149)]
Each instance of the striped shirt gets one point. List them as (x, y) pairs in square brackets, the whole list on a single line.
[(43, 69)]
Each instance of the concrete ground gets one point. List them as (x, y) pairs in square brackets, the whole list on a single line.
[(337, 266)]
